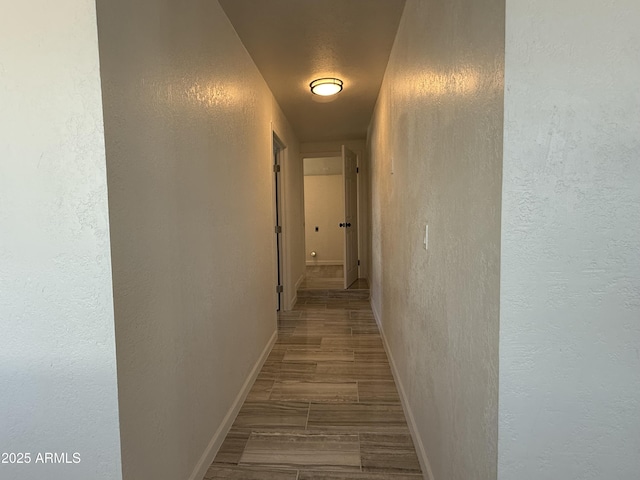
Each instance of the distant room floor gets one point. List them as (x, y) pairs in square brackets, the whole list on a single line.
[(327, 277)]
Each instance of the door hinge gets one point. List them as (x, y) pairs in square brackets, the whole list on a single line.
[(276, 168), (279, 289), (358, 262), (278, 229)]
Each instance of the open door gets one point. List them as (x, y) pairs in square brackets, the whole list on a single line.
[(277, 160), (350, 225)]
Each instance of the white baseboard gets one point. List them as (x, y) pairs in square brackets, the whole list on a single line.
[(311, 263), (417, 441), (294, 299), (216, 442)]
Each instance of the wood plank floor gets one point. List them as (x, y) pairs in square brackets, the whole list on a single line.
[(324, 406)]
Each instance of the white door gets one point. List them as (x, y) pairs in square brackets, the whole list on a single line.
[(350, 225)]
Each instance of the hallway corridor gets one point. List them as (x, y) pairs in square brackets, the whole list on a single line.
[(324, 406)]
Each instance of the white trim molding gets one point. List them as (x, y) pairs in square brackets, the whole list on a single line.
[(216, 442), (417, 441)]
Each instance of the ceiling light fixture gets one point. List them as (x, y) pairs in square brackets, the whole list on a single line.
[(326, 86)]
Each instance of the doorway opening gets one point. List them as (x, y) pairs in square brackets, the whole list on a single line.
[(331, 222), (323, 212)]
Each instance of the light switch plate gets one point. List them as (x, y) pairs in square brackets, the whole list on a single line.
[(426, 237)]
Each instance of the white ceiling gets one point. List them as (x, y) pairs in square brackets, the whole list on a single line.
[(296, 41)]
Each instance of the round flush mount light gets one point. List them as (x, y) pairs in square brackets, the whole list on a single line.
[(326, 86)]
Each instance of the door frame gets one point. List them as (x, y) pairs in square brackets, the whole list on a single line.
[(278, 155), (338, 153)]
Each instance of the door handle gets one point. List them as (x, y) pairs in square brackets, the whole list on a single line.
[(347, 224), (342, 225)]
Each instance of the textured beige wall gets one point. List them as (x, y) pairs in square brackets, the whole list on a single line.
[(57, 342), (189, 161), (324, 208), (438, 128), (570, 282)]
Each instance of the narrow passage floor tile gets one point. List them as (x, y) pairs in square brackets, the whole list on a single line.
[(218, 472), (315, 475), (357, 417), (324, 405), (277, 415), (315, 391), (303, 450), (388, 453)]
